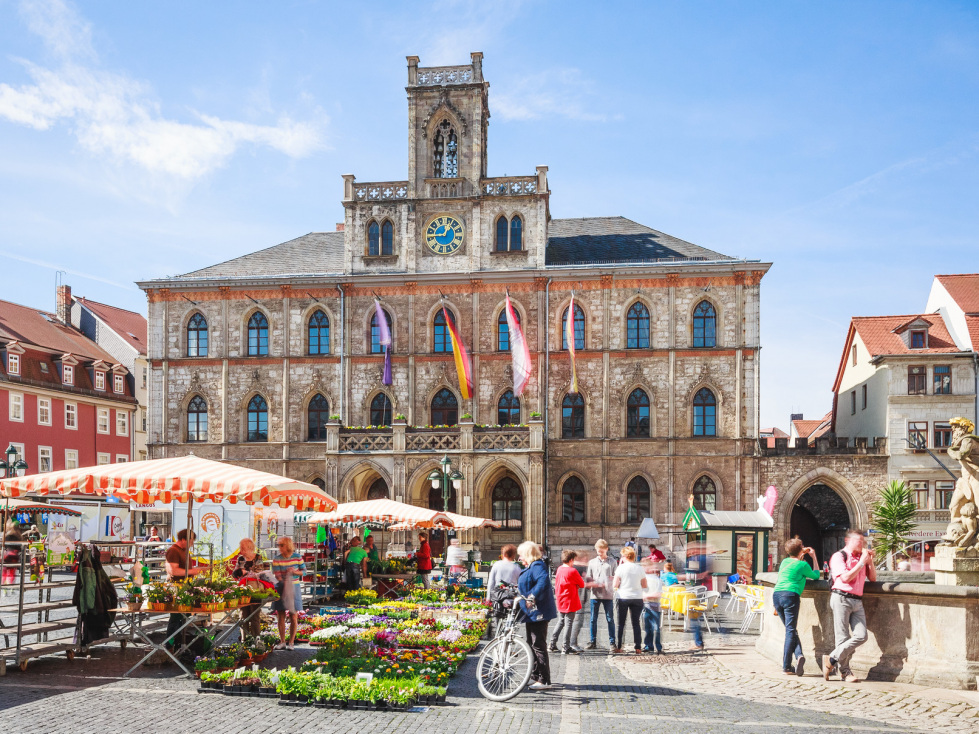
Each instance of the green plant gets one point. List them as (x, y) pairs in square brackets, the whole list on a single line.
[(401, 417), (892, 520), (467, 416), (160, 593), (534, 414), (335, 417)]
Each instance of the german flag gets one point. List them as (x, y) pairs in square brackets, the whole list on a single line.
[(461, 357)]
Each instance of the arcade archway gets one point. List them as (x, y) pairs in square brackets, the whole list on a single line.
[(820, 519)]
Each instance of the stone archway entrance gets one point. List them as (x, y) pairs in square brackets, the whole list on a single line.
[(820, 519)]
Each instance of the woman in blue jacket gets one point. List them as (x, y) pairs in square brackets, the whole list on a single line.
[(535, 580)]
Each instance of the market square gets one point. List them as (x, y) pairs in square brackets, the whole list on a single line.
[(485, 450)]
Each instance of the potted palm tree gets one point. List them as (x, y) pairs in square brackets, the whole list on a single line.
[(892, 521)]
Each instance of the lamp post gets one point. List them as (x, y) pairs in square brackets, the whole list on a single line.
[(14, 466), (447, 478)]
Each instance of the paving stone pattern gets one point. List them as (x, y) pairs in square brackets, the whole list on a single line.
[(677, 692)]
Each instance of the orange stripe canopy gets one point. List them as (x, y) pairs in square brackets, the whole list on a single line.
[(183, 478), (459, 522), (382, 511)]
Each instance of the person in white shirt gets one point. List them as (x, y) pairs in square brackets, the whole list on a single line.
[(650, 609), (630, 582), (506, 569), (598, 579)]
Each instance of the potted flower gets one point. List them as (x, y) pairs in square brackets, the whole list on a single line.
[(183, 599), (160, 597), (134, 597)]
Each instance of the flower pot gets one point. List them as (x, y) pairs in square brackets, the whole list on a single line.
[(134, 605), (319, 703), (158, 606), (228, 690), (184, 609)]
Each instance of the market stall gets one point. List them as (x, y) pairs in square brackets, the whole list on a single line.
[(721, 543)]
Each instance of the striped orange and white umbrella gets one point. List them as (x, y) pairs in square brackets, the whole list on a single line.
[(465, 522), (185, 478), (383, 511)]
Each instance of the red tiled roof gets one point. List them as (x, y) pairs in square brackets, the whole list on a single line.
[(972, 322), (877, 333), (804, 428), (964, 290), (775, 432), (129, 325), (40, 328)]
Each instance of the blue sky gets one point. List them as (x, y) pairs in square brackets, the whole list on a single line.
[(837, 140)]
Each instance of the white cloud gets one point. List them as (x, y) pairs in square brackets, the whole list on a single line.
[(111, 114), (563, 92)]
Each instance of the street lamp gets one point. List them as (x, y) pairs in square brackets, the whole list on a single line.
[(445, 478), (14, 465)]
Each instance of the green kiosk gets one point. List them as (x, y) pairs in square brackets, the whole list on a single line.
[(722, 543)]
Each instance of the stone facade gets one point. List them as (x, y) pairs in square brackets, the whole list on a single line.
[(608, 265)]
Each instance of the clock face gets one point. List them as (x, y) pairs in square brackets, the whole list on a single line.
[(444, 234)]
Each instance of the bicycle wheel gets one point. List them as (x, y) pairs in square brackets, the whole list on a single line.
[(504, 668)]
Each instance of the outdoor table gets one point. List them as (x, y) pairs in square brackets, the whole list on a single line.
[(134, 620), (385, 583)]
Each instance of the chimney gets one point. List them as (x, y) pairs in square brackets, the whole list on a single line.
[(340, 226), (63, 304), (795, 417)]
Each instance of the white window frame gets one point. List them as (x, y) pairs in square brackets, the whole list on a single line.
[(20, 450), (118, 384), (67, 374), (103, 459), (40, 454), (71, 458), (103, 413), (99, 380), (10, 407), (43, 402), (122, 419), (122, 458), (71, 409), (13, 364)]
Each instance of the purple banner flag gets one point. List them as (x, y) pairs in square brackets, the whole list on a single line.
[(386, 379)]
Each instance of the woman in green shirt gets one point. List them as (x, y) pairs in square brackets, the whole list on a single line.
[(786, 597), (356, 562)]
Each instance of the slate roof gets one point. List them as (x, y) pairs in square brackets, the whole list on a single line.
[(878, 335), (129, 325), (316, 252), (597, 240)]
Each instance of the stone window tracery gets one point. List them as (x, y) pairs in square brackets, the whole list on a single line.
[(516, 234), (503, 330), (508, 504), (441, 339), (573, 416), (637, 500), (380, 410), (197, 420), (637, 414), (704, 413), (317, 416), (637, 327), (704, 325), (197, 336), (258, 419), (376, 347), (501, 234), (318, 330), (387, 238), (705, 494), (508, 409), (579, 328), (373, 239), (445, 151), (445, 408), (258, 335), (378, 490)]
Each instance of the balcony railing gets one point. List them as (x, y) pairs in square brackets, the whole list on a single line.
[(438, 75), (385, 191), (510, 186), (365, 442)]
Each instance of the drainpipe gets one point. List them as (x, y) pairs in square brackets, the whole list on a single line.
[(547, 391), (343, 339)]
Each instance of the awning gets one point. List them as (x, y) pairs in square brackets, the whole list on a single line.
[(647, 529), (183, 478), (382, 511), (29, 506)]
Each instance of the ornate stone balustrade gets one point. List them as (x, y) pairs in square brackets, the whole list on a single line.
[(501, 440), (435, 76), (384, 191), (366, 442), (431, 441), (510, 186)]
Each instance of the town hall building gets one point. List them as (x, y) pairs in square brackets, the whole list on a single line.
[(274, 359)]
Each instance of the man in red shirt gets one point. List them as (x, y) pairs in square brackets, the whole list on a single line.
[(656, 555), (567, 581)]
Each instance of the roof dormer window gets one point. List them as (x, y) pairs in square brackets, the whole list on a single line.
[(918, 339), (13, 364), (67, 374), (99, 380)]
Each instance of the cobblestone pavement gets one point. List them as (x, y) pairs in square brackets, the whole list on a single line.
[(677, 692)]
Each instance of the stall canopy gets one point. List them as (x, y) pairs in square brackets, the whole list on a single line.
[(31, 506), (465, 522), (186, 479), (647, 529), (382, 511)]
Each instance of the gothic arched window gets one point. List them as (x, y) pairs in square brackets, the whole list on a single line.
[(501, 234), (637, 500), (573, 416), (446, 152), (387, 238), (381, 410), (637, 327), (503, 330), (508, 409), (637, 414), (445, 408), (508, 504), (258, 335), (197, 336), (437, 502), (704, 325), (573, 500), (318, 331), (704, 413), (705, 494), (516, 234), (317, 416), (579, 328), (197, 420), (378, 490), (258, 419), (441, 339), (320, 482), (376, 347), (373, 239)]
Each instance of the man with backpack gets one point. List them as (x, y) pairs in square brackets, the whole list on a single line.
[(849, 569)]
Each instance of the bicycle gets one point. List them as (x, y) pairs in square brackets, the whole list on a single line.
[(504, 666)]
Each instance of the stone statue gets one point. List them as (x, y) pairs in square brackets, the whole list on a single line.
[(965, 499)]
